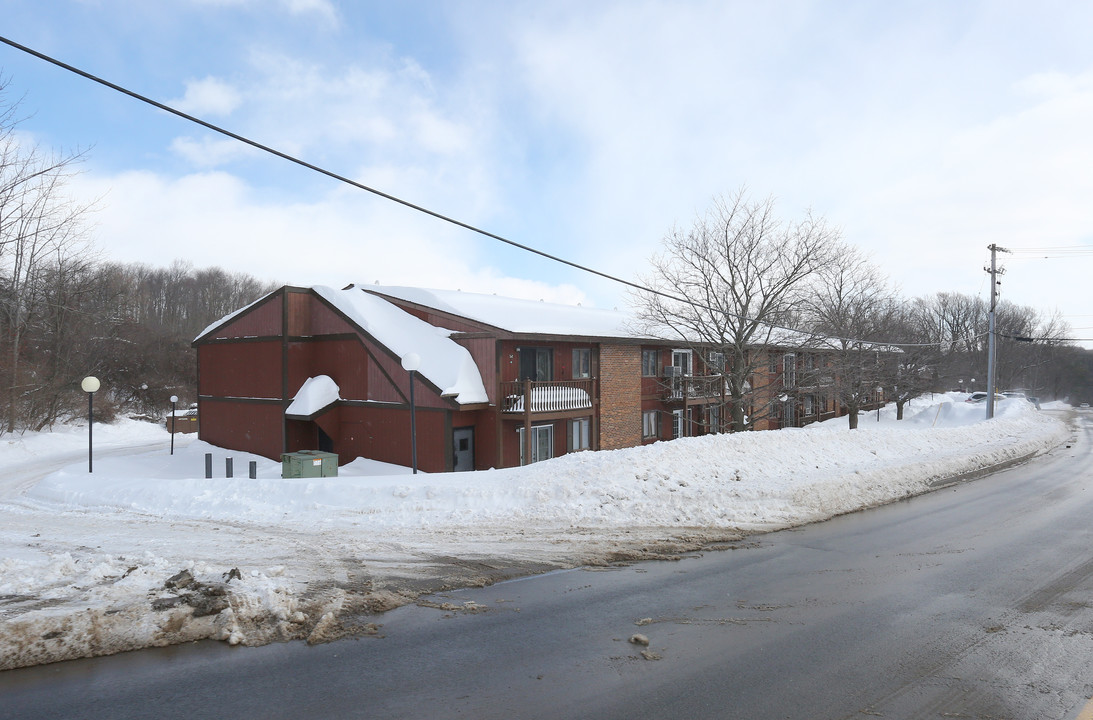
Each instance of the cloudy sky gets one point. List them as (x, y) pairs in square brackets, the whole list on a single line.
[(924, 130)]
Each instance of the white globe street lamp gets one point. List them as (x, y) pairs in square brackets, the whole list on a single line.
[(174, 422), (90, 385)]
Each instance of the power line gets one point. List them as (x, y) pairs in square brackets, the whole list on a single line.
[(413, 206)]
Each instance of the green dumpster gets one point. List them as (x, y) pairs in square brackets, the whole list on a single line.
[(309, 463)]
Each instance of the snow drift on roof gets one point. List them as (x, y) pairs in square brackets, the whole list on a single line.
[(315, 394), (445, 363), (519, 316)]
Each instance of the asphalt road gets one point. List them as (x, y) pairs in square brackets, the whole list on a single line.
[(975, 601)]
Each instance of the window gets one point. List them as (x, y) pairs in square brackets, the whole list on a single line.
[(542, 443), (677, 424), (579, 433), (649, 427), (649, 363), (536, 363), (808, 405), (715, 418), (715, 363), (789, 414), (682, 360), (789, 369), (582, 363)]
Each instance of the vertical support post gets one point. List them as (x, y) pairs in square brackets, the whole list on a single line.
[(208, 465), (253, 469), (992, 344), (413, 425), (90, 385), (410, 363), (527, 422), (174, 421), (228, 467), (90, 424)]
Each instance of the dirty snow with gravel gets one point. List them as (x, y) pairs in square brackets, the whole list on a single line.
[(146, 551)]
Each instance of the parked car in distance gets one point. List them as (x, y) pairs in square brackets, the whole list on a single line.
[(1034, 400), (980, 396), (1084, 405)]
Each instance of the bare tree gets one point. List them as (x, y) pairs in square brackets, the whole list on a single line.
[(726, 283), (912, 371), (41, 230), (851, 311)]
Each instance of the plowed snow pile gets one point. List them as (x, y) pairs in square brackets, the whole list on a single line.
[(146, 551)]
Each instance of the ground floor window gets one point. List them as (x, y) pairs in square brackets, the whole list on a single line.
[(715, 418), (649, 427), (789, 413), (580, 431), (542, 443), (677, 423)]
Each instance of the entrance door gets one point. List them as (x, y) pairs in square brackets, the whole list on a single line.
[(463, 449), (542, 443), (326, 443)]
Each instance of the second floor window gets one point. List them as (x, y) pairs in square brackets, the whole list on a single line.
[(649, 363), (582, 363), (789, 372), (536, 364)]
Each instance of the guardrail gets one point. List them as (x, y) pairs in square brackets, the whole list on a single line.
[(556, 396)]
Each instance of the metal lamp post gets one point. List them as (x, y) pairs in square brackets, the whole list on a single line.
[(410, 363), (174, 422), (90, 385)]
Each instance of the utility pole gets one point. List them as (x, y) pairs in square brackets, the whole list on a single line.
[(991, 342)]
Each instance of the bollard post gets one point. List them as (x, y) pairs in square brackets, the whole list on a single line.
[(208, 465), (227, 467), (253, 469)]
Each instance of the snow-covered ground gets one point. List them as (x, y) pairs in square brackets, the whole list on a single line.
[(146, 551)]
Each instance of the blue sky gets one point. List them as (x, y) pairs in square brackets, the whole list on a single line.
[(924, 130)]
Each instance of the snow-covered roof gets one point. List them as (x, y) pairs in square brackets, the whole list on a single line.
[(445, 363), (317, 393), (516, 315)]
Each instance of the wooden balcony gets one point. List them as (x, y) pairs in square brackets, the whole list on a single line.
[(546, 397)]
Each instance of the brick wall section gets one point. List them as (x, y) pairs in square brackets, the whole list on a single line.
[(620, 396)]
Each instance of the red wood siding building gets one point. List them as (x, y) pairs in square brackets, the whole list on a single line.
[(507, 381)]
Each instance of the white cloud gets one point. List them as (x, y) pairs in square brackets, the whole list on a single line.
[(215, 219), (323, 9), (208, 151), (209, 96)]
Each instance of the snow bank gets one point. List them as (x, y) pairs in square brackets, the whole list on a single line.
[(746, 480), (87, 558)]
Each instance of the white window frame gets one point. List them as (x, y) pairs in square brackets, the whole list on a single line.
[(650, 424), (687, 364), (580, 434), (536, 432), (678, 418), (789, 370)]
